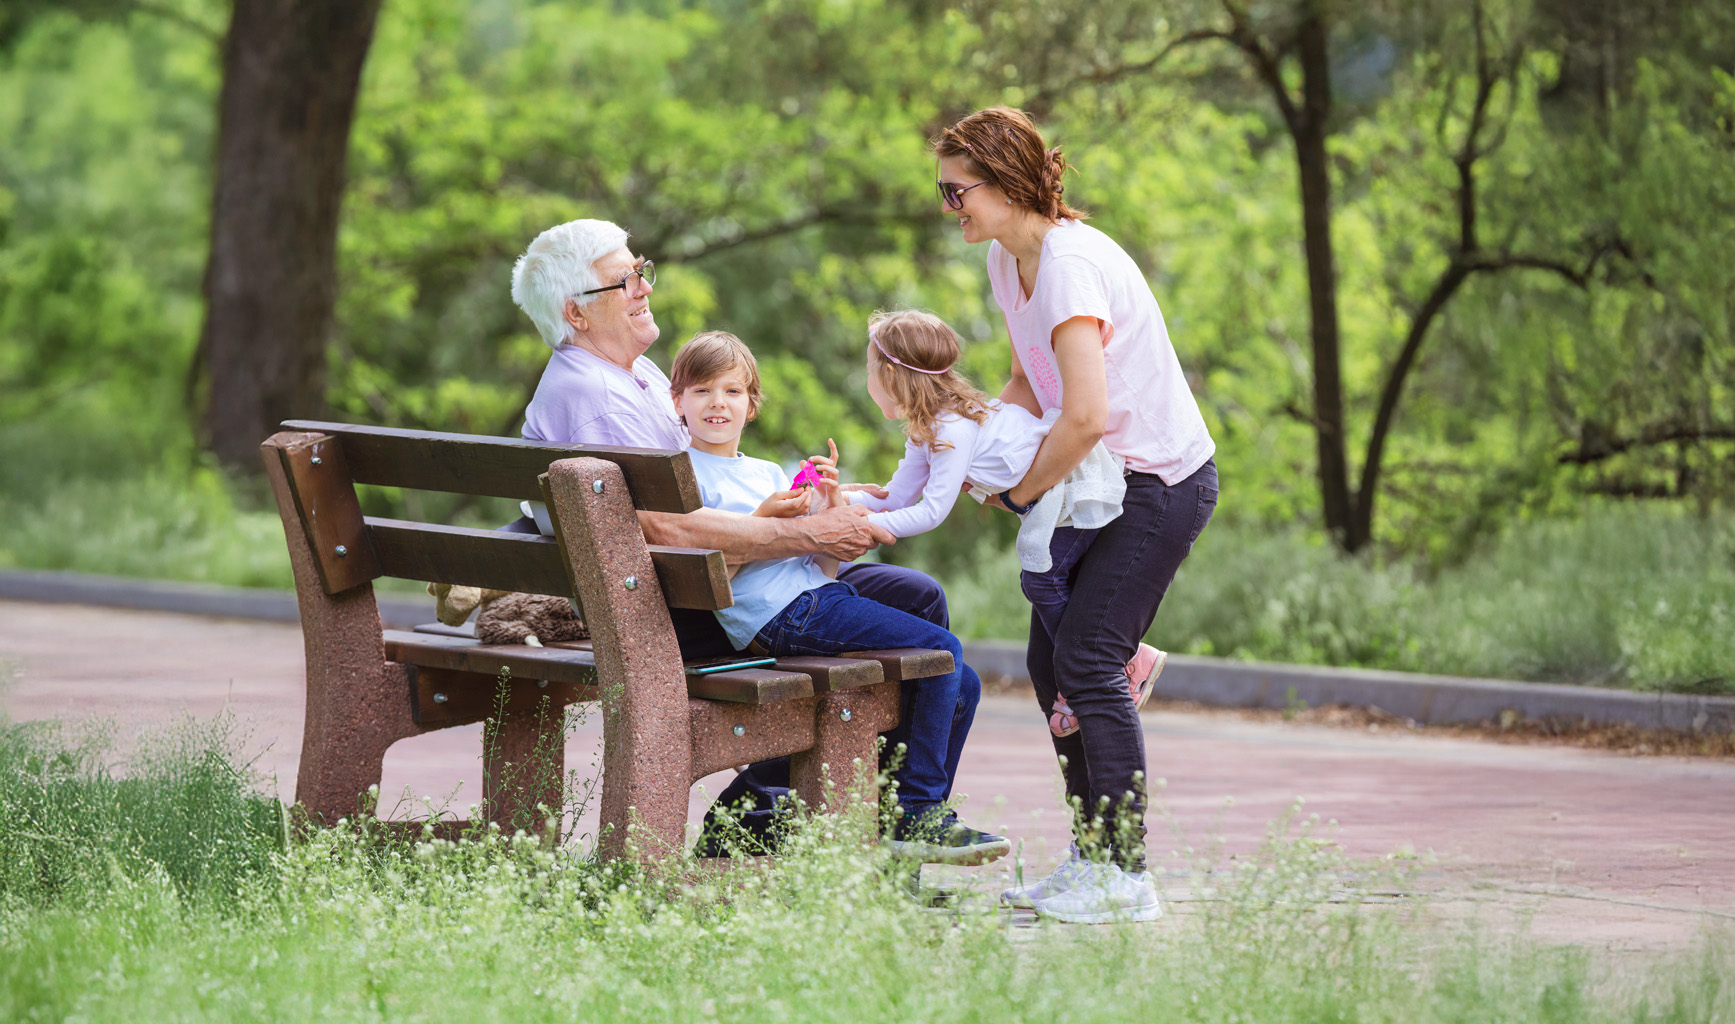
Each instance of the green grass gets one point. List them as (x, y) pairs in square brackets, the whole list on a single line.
[(71, 829), (340, 926), (1629, 595)]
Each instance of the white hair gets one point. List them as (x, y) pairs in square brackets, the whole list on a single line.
[(558, 266)]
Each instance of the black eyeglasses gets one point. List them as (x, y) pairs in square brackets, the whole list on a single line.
[(953, 196), (646, 272)]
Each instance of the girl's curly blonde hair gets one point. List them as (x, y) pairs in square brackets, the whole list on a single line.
[(902, 345)]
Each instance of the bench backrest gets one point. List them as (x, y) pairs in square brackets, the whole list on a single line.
[(323, 462)]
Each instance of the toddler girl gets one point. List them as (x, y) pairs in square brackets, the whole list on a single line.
[(956, 436)]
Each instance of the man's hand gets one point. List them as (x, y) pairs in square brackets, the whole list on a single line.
[(785, 504), (844, 533)]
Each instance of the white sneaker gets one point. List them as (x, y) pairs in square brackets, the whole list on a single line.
[(1062, 879), (1105, 894)]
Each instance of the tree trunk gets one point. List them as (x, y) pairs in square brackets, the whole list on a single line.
[(291, 71), (1310, 134)]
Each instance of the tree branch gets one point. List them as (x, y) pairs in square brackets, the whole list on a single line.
[(1294, 411), (1265, 64), (1047, 95), (1108, 76), (1601, 448)]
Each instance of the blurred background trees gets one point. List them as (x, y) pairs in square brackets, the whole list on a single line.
[(1463, 264)]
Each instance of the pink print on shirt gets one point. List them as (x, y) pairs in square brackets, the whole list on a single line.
[(1042, 376)]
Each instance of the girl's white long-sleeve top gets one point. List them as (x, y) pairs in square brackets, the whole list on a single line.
[(990, 456)]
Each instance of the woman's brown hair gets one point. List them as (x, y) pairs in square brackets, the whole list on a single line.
[(1004, 146), (922, 381)]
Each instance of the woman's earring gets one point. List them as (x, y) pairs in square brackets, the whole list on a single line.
[(1008, 202)]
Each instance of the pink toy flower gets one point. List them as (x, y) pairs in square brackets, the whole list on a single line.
[(807, 477)]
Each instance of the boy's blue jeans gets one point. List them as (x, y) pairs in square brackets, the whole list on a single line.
[(937, 711)]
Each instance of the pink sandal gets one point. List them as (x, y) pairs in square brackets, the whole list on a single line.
[(1143, 671), (1062, 722)]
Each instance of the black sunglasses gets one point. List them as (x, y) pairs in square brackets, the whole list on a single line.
[(953, 195), (646, 272)]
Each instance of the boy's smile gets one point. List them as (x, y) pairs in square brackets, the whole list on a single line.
[(716, 412)]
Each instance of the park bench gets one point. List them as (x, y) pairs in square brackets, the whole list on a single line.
[(663, 727)]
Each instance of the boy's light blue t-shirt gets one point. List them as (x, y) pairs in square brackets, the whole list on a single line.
[(764, 588)]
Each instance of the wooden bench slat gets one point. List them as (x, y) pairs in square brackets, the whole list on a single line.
[(442, 697), (750, 685), (555, 664), (692, 577), (501, 467), (848, 671), (528, 563), (904, 663), (574, 663), (517, 562), (841, 673)]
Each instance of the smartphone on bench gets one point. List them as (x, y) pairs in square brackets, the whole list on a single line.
[(705, 668)]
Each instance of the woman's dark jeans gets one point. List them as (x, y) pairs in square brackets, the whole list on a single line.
[(1115, 590)]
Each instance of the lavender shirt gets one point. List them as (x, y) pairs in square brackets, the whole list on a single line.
[(585, 399)]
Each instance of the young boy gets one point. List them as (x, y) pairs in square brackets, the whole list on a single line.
[(790, 606)]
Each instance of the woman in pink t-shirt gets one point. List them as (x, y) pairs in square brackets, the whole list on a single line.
[(1089, 340)]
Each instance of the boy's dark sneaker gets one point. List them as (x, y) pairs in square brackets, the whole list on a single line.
[(940, 838), (909, 877)]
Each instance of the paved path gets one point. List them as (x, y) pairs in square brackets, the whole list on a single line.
[(1621, 852)]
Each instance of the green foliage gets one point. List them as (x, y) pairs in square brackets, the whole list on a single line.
[(482, 125), (104, 135)]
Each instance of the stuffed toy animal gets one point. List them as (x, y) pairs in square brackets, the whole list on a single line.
[(508, 618), (529, 619), (453, 605)]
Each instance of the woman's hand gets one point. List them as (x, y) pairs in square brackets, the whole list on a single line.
[(785, 504), (995, 501), (877, 490)]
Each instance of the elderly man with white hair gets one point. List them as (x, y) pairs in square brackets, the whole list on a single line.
[(590, 297)]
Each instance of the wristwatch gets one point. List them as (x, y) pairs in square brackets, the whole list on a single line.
[(1006, 499)]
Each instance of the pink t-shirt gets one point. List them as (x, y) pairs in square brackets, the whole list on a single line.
[(1153, 421)]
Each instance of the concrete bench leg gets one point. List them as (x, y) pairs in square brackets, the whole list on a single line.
[(344, 744), (357, 702), (846, 725), (523, 768), (647, 742)]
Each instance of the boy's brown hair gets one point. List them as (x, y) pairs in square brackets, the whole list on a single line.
[(710, 355)]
